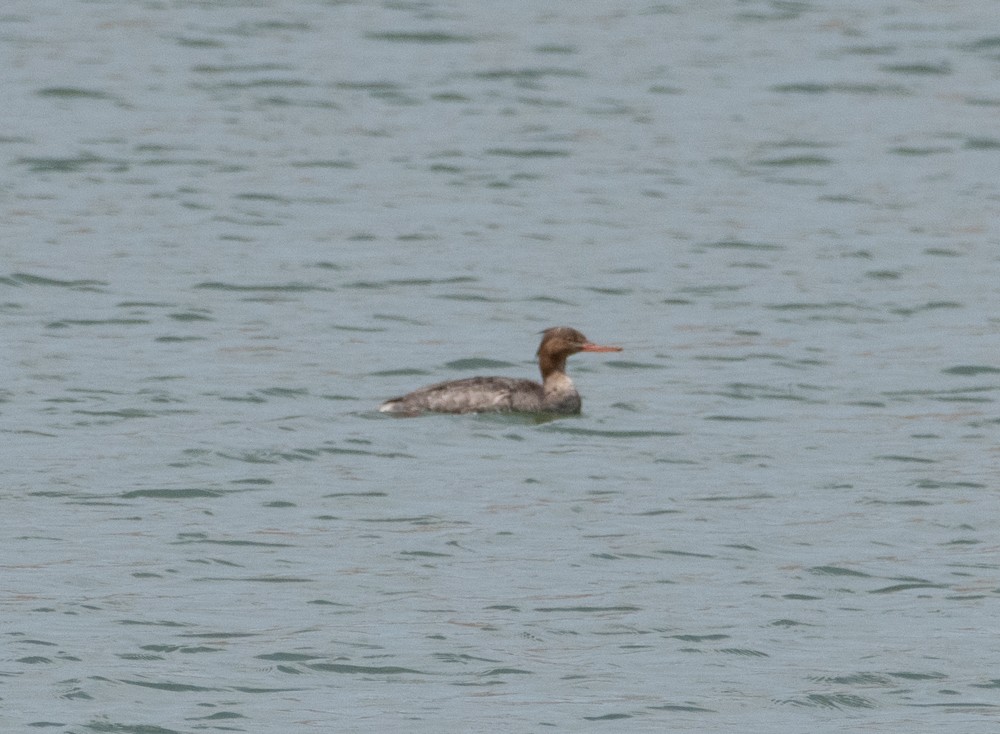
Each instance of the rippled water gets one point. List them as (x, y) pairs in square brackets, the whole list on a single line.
[(232, 228)]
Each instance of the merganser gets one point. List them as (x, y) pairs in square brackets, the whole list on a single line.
[(556, 394)]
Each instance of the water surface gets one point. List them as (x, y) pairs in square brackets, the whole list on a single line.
[(232, 228)]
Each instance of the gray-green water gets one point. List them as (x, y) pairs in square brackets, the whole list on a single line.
[(230, 229)]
